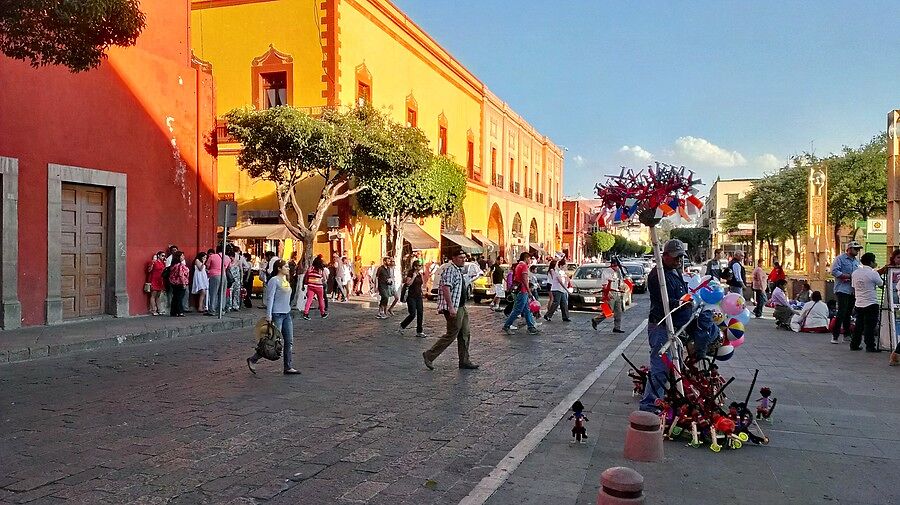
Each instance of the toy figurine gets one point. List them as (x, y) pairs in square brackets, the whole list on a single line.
[(639, 380), (578, 430), (765, 406)]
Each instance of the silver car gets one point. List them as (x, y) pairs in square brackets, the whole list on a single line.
[(588, 286)]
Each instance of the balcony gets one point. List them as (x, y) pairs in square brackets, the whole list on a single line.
[(540, 198), (515, 188), (222, 136), (529, 193)]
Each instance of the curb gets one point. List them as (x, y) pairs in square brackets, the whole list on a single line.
[(54, 350)]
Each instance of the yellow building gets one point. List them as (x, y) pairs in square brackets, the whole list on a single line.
[(318, 53)]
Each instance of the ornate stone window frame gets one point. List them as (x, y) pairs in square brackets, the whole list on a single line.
[(117, 243), (270, 61), (10, 308)]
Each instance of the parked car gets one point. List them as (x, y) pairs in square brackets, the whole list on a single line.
[(637, 274), (468, 267), (543, 280), (588, 286), (483, 289)]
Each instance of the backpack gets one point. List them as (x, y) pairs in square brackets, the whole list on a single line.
[(270, 344)]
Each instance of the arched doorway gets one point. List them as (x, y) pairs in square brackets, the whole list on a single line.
[(533, 232), (455, 222), (557, 244), (517, 245), (495, 231)]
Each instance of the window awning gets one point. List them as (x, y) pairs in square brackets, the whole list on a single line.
[(538, 249), (418, 238), (261, 231), (487, 243), (465, 243)]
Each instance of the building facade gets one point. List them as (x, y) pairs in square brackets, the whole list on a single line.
[(893, 177), (338, 53), (102, 169), (723, 194), (579, 220)]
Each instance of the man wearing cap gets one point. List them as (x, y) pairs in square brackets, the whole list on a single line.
[(658, 334), (842, 269), (611, 282), (453, 293)]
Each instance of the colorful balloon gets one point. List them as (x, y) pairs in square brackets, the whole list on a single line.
[(744, 317), (737, 343), (725, 353), (712, 293), (735, 329), (733, 304)]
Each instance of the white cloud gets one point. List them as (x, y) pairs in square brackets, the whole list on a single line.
[(705, 152), (578, 160), (768, 161), (636, 152)]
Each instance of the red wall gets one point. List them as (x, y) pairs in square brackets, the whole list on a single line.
[(121, 117)]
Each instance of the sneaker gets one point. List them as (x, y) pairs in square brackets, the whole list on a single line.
[(325, 315), (616, 330), (400, 331), (513, 327), (251, 365), (546, 319), (567, 320), (538, 323), (534, 331), (421, 335), (834, 340), (428, 363), (306, 317), (468, 366), (508, 330), (380, 316)]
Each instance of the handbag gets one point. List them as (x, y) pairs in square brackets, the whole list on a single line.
[(269, 344), (147, 287)]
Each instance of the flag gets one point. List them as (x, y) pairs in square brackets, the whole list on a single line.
[(682, 211), (628, 282), (666, 208)]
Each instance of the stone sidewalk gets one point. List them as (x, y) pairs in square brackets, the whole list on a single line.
[(834, 435), (36, 342)]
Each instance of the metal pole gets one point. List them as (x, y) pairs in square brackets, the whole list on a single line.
[(664, 296), (223, 276)]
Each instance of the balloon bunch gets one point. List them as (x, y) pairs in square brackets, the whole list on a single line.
[(729, 312), (658, 192)]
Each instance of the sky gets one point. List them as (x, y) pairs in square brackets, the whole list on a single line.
[(726, 88)]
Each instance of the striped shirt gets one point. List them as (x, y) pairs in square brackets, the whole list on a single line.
[(452, 277)]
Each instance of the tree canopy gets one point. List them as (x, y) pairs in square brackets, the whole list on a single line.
[(693, 237), (340, 149), (72, 33), (600, 242), (857, 184)]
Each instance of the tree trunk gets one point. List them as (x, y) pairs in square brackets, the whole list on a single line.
[(397, 232), (837, 238), (796, 252)]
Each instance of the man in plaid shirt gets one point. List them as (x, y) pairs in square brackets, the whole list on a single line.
[(453, 293)]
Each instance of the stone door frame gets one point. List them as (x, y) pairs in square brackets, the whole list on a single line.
[(10, 308)]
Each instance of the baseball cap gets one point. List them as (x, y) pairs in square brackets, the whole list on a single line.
[(854, 245), (675, 248)]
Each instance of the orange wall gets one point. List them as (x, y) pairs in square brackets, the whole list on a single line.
[(116, 118)]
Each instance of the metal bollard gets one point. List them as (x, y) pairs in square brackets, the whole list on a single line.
[(621, 486), (644, 438)]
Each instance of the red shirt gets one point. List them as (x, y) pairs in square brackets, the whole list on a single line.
[(776, 275), (521, 276)]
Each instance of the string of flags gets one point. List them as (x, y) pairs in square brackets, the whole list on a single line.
[(660, 191)]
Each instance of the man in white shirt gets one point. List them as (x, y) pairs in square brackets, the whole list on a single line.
[(611, 281), (865, 281)]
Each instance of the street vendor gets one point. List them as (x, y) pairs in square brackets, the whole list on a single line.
[(676, 287)]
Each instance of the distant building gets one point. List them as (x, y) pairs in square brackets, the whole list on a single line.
[(723, 194), (578, 220)]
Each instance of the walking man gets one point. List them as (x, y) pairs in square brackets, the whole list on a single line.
[(453, 293), (759, 288), (739, 281), (657, 332), (520, 288), (865, 282), (842, 269), (611, 280), (384, 277)]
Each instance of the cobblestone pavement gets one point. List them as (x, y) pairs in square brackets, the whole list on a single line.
[(184, 421), (834, 434)]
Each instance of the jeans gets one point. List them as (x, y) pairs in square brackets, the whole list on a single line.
[(561, 300), (845, 303), (178, 297), (760, 302), (215, 286), (457, 329), (341, 290), (736, 289), (285, 325), (615, 303), (658, 335), (416, 311), (866, 324), (248, 285), (520, 308)]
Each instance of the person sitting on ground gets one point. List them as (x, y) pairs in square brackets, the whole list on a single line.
[(805, 293), (814, 317), (783, 310)]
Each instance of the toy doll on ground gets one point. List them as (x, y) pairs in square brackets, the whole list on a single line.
[(765, 405), (743, 420), (578, 430)]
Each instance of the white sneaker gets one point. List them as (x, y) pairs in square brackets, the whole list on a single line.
[(513, 327), (380, 316), (421, 335), (834, 340), (538, 323)]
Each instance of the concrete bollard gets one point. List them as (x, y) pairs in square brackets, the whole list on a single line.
[(644, 438), (621, 486)]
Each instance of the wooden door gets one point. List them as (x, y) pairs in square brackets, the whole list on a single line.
[(83, 228)]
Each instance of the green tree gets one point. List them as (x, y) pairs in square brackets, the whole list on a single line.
[(72, 33), (600, 242), (438, 187), (857, 185), (288, 147), (693, 237)]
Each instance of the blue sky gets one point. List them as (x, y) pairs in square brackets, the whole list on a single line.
[(727, 88)]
